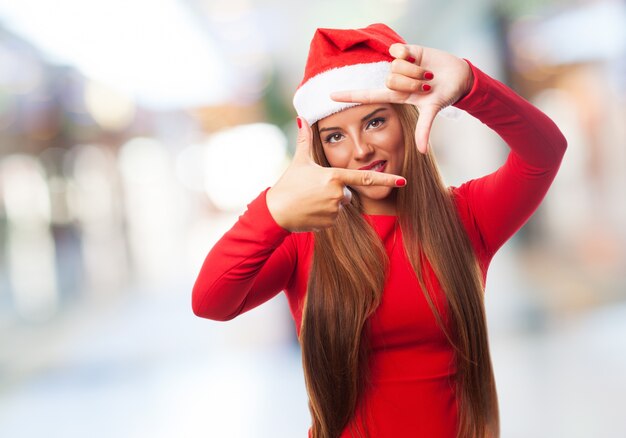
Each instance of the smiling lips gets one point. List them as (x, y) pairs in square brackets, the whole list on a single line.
[(376, 166)]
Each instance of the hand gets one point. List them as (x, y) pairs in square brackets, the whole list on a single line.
[(308, 196), (406, 83)]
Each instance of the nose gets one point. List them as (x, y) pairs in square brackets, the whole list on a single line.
[(362, 150)]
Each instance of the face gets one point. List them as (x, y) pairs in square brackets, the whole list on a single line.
[(366, 137)]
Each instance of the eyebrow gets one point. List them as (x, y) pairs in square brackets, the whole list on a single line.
[(333, 128)]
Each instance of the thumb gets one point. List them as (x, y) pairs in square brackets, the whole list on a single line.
[(303, 152), (422, 129)]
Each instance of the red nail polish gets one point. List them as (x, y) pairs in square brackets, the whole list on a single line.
[(428, 75), (400, 182), (299, 122), (426, 87), (411, 59)]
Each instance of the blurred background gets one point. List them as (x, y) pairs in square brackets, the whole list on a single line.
[(134, 132)]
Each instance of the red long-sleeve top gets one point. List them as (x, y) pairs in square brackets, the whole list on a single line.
[(412, 364)]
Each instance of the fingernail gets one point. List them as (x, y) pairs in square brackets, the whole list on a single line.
[(428, 75), (410, 59), (299, 122), (426, 87), (400, 182)]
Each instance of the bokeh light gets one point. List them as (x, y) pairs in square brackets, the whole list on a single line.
[(132, 136), (242, 161)]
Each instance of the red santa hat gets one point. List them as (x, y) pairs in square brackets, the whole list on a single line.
[(343, 59)]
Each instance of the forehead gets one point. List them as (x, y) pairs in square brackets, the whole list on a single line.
[(354, 114)]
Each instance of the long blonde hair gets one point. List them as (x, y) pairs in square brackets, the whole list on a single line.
[(345, 287)]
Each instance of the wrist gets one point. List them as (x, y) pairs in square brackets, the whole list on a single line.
[(468, 84), (273, 206), (469, 81)]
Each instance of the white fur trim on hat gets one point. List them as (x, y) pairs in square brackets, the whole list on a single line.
[(312, 100)]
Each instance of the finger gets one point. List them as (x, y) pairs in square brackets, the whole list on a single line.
[(368, 96), (352, 177), (423, 127), (407, 51), (405, 85), (399, 50), (406, 68), (303, 144)]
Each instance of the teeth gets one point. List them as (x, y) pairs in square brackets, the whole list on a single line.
[(379, 166)]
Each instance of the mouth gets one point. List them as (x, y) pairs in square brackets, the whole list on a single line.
[(376, 166)]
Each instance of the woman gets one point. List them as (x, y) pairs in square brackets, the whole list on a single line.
[(384, 267)]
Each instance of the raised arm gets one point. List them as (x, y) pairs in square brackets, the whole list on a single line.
[(250, 264), (502, 202), (256, 259)]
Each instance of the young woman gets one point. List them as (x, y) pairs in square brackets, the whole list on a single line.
[(383, 266)]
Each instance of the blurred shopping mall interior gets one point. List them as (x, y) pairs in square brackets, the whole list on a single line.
[(133, 133)]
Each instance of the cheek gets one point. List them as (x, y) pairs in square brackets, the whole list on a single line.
[(391, 140), (396, 148), (399, 155), (337, 156)]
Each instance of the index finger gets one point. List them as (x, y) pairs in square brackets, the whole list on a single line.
[(303, 144), (367, 96), (353, 177)]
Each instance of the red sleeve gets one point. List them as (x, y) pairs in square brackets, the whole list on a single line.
[(250, 264), (500, 203)]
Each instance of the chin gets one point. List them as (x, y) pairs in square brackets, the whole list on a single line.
[(375, 193)]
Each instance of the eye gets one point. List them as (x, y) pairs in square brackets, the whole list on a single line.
[(333, 138), (375, 123)]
